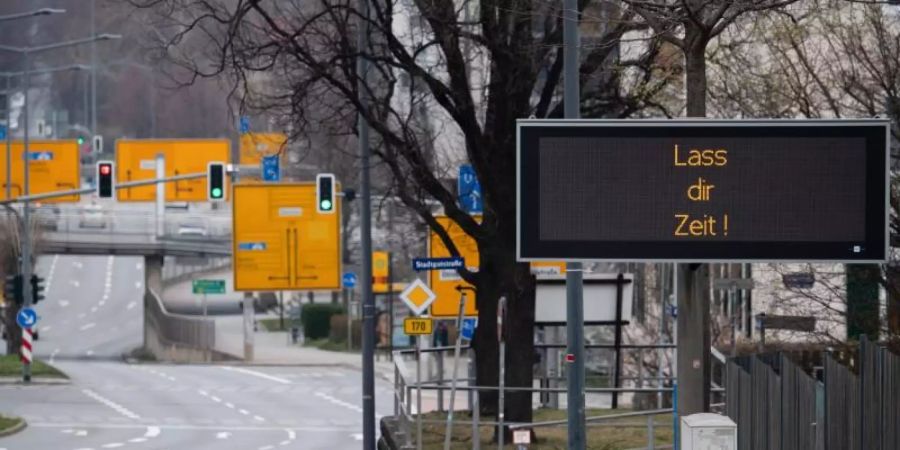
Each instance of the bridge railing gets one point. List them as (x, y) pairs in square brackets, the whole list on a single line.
[(176, 337)]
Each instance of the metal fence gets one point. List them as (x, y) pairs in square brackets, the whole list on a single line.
[(778, 406)]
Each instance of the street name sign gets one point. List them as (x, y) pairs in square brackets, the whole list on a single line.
[(281, 242), (703, 190), (420, 264), (417, 296), (208, 286), (417, 326)]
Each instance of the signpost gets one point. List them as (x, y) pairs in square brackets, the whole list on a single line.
[(52, 165), (418, 326), (447, 282), (469, 190), (205, 287), (136, 160), (418, 298), (271, 169), (348, 280), (281, 242), (26, 318)]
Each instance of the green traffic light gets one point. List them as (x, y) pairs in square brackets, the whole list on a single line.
[(80, 141), (217, 192), (325, 204)]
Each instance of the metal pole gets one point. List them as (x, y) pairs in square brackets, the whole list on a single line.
[(26, 214), (459, 318), (501, 377), (574, 286), (8, 143), (390, 305), (94, 130), (418, 393), (617, 373), (368, 302), (204, 304), (160, 195)]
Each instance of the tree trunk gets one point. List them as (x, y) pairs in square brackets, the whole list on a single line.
[(695, 41)]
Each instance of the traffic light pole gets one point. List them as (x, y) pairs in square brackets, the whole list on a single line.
[(26, 214), (574, 276), (130, 184)]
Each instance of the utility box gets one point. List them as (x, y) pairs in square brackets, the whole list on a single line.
[(706, 431)]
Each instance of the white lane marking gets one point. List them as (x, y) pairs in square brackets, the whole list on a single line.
[(257, 374), (244, 412), (152, 432), (67, 431), (81, 433), (47, 328), (215, 399), (138, 266), (229, 405), (203, 393), (284, 443), (53, 354), (89, 353), (258, 419), (138, 284), (266, 447), (131, 426), (223, 435), (357, 436), (115, 406), (291, 434), (63, 303), (75, 283), (87, 326), (138, 440), (170, 378), (338, 401), (113, 445), (131, 305)]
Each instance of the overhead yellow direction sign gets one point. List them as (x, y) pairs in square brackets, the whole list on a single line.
[(136, 160), (445, 282), (281, 242), (256, 145), (53, 166), (416, 326)]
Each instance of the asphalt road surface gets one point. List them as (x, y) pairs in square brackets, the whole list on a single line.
[(92, 315)]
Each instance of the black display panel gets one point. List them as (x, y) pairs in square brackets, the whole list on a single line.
[(703, 190)]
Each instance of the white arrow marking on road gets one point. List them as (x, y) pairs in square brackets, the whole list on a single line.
[(223, 435), (63, 303), (87, 326)]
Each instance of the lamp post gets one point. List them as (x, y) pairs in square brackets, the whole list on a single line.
[(35, 13), (26, 53)]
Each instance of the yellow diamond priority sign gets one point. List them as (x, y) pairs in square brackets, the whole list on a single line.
[(417, 296)]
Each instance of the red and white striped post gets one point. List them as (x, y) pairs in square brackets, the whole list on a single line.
[(27, 345)]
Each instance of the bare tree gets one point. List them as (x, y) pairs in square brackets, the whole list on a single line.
[(448, 81)]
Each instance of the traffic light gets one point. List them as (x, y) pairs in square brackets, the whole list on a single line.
[(325, 193), (105, 182), (12, 289), (215, 181), (80, 140), (37, 289)]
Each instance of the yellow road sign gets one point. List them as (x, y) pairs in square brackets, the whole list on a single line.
[(256, 145), (416, 326), (53, 166), (281, 242), (380, 271), (417, 296), (444, 282), (136, 160)]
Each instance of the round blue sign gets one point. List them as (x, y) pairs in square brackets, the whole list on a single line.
[(26, 318), (349, 280)]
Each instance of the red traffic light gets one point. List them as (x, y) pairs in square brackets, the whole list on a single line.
[(105, 169)]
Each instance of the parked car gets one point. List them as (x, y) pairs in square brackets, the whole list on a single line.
[(92, 216)]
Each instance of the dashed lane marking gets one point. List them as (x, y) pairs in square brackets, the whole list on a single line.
[(87, 326), (115, 406), (256, 374)]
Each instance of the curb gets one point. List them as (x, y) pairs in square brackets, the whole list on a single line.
[(14, 429), (35, 381)]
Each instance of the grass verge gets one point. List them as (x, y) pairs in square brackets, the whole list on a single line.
[(618, 434), (327, 344), (8, 423), (10, 366), (274, 324)]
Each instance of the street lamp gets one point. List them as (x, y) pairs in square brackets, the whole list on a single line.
[(35, 13), (26, 231)]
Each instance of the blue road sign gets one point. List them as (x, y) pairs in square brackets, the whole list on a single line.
[(349, 280), (245, 124), (40, 156), (26, 318), (438, 263), (271, 168), (469, 190), (467, 330), (251, 245), (2, 132)]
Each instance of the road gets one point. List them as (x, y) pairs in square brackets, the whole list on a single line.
[(92, 316)]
